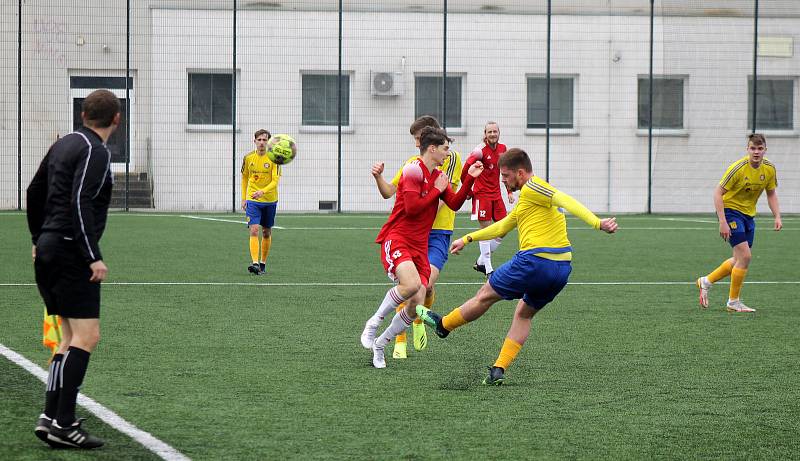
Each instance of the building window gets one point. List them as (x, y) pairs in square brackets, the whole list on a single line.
[(210, 98), (562, 102), (428, 99), (667, 102), (775, 104), (320, 100)]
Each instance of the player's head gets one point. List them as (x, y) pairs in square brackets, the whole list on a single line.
[(260, 138), (434, 142), (424, 121), (756, 146), (515, 168), (491, 133), (101, 110)]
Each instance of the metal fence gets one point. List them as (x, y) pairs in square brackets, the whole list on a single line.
[(628, 105)]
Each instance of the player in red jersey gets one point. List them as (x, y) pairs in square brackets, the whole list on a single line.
[(404, 237), (487, 203)]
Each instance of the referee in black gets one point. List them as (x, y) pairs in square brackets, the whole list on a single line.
[(67, 209)]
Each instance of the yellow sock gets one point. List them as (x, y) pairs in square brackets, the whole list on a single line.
[(401, 338), (429, 299), (453, 320), (737, 279), (266, 242), (254, 248), (721, 272), (508, 353)]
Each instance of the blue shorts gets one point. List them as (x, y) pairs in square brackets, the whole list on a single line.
[(438, 247), (536, 280), (261, 213), (743, 227)]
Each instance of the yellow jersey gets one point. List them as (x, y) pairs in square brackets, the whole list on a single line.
[(259, 173), (744, 184), (542, 226), (445, 217)]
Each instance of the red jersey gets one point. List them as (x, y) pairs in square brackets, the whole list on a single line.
[(416, 204), (487, 185)]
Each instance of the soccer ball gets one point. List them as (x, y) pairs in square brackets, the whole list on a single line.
[(281, 149)]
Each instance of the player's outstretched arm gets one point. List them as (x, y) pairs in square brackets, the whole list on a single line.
[(386, 189), (498, 229)]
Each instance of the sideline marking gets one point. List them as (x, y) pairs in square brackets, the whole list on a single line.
[(109, 417), (380, 284)]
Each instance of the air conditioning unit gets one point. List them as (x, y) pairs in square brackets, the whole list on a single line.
[(386, 83)]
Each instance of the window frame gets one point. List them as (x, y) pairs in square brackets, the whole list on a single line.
[(452, 130), (574, 131), (680, 132), (794, 111), (348, 128), (208, 127)]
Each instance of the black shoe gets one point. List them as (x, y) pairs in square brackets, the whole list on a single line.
[(262, 267), (254, 269), (433, 320), (43, 430), (495, 377), (74, 436), (43, 427), (479, 267)]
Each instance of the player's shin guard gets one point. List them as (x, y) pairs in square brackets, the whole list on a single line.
[(494, 243), (389, 303), (400, 322), (73, 369), (53, 388), (453, 320), (720, 272), (486, 255), (737, 279), (508, 353), (254, 248), (401, 337), (266, 243)]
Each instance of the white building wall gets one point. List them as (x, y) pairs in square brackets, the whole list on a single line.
[(603, 163)]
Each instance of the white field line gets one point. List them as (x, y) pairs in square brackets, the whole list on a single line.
[(376, 284), (109, 417)]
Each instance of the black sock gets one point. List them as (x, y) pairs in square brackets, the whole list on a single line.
[(52, 389), (73, 369)]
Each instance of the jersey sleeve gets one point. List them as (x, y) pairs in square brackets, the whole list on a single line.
[(412, 177), (772, 184), (731, 176), (453, 167), (577, 209), (36, 199), (245, 177)]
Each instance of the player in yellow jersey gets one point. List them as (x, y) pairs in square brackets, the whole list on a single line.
[(260, 177), (441, 231), (537, 273), (735, 202)]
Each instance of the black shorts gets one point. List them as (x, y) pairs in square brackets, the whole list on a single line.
[(62, 275)]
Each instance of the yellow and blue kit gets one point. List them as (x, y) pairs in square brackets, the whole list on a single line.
[(260, 173), (541, 267), (743, 186)]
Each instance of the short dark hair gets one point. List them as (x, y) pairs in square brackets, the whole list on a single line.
[(757, 139), (262, 131), (422, 122), (431, 136), (515, 159), (100, 108)]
